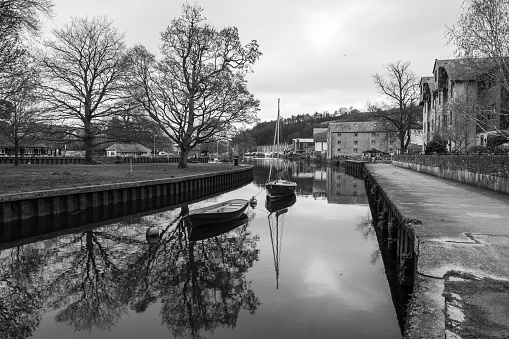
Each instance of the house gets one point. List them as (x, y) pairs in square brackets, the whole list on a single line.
[(303, 145), (28, 148), (353, 138), (371, 153), (127, 149), (461, 104), (320, 138)]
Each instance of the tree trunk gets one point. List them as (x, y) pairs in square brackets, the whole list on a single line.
[(184, 153), (88, 144), (16, 151)]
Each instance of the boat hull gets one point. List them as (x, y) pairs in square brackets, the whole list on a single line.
[(217, 213), (280, 188)]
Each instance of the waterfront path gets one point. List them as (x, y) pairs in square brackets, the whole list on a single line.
[(461, 288)]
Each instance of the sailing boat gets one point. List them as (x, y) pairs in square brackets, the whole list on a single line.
[(279, 183), (277, 208)]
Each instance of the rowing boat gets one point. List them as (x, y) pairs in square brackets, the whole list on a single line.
[(220, 212)]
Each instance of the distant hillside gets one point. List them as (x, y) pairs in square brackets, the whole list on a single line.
[(300, 126)]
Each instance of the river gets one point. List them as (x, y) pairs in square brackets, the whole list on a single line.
[(311, 270)]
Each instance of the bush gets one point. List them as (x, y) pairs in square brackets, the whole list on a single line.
[(435, 146), (478, 149), (501, 149)]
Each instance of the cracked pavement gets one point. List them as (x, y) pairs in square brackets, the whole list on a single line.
[(463, 232)]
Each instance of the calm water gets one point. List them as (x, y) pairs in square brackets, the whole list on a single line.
[(312, 270)]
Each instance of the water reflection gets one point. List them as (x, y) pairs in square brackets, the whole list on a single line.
[(277, 208), (94, 277), (299, 268), (320, 182)]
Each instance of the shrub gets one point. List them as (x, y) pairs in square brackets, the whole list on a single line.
[(501, 149), (478, 149), (435, 146)]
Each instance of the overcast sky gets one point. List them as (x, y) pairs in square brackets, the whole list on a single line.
[(318, 55)]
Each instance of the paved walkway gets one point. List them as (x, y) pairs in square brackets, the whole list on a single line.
[(462, 283)]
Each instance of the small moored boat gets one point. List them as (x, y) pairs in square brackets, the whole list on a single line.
[(220, 212)]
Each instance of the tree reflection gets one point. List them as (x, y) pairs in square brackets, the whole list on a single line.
[(90, 282), (20, 298), (96, 276), (208, 289), (365, 226)]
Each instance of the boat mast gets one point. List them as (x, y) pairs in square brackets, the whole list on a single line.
[(276, 141), (277, 129)]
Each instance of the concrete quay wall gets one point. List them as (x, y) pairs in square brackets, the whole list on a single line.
[(15, 208), (448, 243)]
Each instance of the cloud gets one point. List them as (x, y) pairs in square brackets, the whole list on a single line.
[(303, 42)]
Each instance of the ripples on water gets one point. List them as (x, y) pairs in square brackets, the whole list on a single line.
[(309, 270)]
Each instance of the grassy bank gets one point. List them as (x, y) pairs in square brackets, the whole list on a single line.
[(30, 178)]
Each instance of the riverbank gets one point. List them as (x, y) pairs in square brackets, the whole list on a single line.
[(31, 178), (462, 276)]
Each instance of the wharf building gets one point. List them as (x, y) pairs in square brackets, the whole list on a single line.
[(354, 138), (462, 104)]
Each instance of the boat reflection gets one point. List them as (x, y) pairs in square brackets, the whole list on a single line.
[(206, 231), (274, 205), (277, 209)]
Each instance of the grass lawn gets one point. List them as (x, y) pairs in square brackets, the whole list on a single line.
[(30, 178)]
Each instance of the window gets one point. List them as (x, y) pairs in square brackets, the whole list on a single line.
[(391, 141), (373, 142), (339, 142), (354, 184), (355, 134), (390, 149), (355, 142), (339, 134), (355, 149), (373, 134), (339, 149), (338, 185)]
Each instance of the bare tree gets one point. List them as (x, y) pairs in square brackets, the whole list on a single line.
[(400, 87), (197, 91), (20, 109), (481, 39), (460, 131), (18, 19), (84, 77)]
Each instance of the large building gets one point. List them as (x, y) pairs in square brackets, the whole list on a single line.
[(354, 138), (461, 105)]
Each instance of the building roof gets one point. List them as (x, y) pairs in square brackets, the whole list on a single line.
[(356, 127), (430, 81), (5, 142), (303, 140), (128, 148), (320, 134), (462, 69)]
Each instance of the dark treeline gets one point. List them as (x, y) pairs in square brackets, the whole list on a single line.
[(300, 126)]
